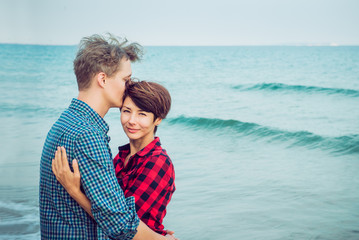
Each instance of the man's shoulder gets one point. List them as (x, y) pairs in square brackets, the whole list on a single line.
[(74, 125)]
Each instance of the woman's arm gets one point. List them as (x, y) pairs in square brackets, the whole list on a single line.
[(71, 181)]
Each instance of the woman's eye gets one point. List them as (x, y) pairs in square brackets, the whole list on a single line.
[(143, 114)]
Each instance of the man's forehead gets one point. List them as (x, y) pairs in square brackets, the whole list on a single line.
[(125, 66)]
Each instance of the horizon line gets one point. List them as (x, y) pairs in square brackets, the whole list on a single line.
[(214, 45), (244, 45)]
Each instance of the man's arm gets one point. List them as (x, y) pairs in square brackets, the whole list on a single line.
[(114, 214), (71, 182)]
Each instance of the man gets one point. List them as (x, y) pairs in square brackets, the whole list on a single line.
[(102, 66)]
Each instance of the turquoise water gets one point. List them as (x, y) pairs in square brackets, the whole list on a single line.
[(265, 140)]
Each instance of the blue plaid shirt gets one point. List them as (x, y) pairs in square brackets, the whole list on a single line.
[(83, 133)]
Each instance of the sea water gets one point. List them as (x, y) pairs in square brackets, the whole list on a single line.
[(264, 140)]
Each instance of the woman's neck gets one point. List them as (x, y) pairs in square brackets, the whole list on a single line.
[(135, 147)]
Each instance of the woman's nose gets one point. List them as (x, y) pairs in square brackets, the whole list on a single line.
[(132, 119)]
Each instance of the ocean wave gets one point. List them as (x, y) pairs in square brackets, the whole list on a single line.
[(18, 219), (348, 144), (296, 88), (28, 110)]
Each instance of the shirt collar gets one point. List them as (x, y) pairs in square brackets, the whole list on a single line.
[(124, 147), (150, 147), (93, 117), (146, 150)]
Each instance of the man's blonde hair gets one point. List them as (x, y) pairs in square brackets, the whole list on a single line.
[(102, 54)]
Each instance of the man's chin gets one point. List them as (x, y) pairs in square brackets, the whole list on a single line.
[(117, 105)]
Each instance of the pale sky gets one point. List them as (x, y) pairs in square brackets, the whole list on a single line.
[(182, 22)]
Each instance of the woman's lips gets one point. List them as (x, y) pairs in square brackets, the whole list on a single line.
[(132, 130)]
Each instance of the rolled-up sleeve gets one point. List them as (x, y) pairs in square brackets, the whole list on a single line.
[(114, 214)]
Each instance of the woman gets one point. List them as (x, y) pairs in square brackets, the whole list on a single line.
[(143, 168)]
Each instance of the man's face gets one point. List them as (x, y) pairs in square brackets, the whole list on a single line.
[(116, 84)]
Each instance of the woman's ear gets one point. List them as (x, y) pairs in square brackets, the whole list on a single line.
[(158, 121)]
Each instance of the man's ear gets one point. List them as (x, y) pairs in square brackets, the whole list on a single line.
[(101, 79), (158, 121)]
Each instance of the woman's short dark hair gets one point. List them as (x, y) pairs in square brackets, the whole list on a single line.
[(102, 54), (150, 97)]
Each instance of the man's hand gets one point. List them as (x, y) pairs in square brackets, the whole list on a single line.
[(170, 235), (170, 232), (71, 181)]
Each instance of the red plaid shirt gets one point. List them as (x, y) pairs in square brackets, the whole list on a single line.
[(149, 177)]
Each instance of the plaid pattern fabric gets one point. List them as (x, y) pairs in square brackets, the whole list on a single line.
[(149, 177), (84, 135)]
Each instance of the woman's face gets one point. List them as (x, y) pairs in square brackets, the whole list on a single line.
[(137, 124)]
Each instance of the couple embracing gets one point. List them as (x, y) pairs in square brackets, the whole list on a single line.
[(96, 196)]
